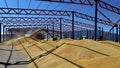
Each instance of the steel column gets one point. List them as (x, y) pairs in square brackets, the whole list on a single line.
[(0, 33), (96, 14), (119, 34), (87, 32), (90, 33), (78, 34), (102, 32), (60, 28), (72, 24), (47, 32), (3, 33), (99, 32), (53, 29), (6, 34), (116, 34), (113, 34), (10, 35), (110, 36)]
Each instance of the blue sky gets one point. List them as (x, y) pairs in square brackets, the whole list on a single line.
[(62, 6)]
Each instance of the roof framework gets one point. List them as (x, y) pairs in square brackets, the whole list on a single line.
[(16, 17)]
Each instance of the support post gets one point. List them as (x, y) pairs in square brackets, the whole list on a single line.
[(3, 33), (72, 24), (117, 34), (60, 28), (78, 34), (6, 35), (99, 32), (102, 32), (0, 33), (53, 29), (90, 33), (10, 35), (110, 36), (81, 33), (47, 32), (96, 14), (113, 34), (87, 32)]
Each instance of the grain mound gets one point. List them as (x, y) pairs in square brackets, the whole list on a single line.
[(68, 53), (104, 62), (111, 44), (79, 53)]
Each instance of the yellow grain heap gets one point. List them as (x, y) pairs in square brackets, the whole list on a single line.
[(68, 53)]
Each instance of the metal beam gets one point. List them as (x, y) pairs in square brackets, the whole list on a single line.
[(83, 2), (90, 18), (28, 19), (67, 26), (39, 12), (40, 20), (78, 23), (109, 7), (23, 11)]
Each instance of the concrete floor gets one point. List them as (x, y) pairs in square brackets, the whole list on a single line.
[(11, 58)]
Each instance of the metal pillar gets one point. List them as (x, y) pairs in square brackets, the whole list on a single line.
[(81, 34), (96, 14), (117, 34), (90, 33), (102, 32), (10, 35), (66, 34), (3, 33), (87, 32), (60, 28), (53, 29), (99, 32), (78, 34), (110, 36), (0, 33), (113, 34), (47, 32), (6, 35), (69, 34), (72, 24)]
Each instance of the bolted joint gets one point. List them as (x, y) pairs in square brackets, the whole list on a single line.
[(115, 25)]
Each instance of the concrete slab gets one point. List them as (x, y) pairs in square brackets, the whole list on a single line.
[(10, 57)]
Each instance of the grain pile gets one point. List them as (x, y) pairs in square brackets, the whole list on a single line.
[(81, 54), (68, 53), (111, 44)]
